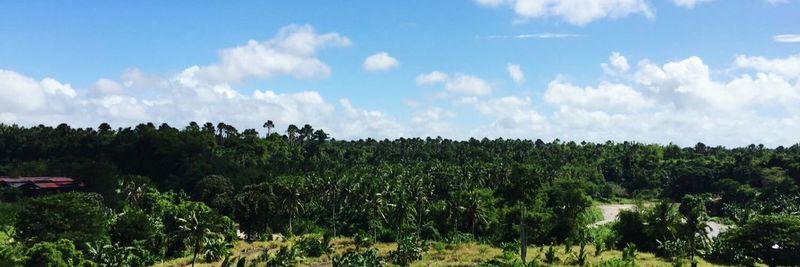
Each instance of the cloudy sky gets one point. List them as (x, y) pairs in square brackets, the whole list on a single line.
[(654, 71)]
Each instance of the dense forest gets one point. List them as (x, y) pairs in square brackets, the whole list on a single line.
[(159, 192)]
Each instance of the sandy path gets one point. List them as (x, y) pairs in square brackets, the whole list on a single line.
[(610, 212)]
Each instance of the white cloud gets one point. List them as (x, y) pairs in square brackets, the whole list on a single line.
[(787, 38), (608, 97), (432, 78), (433, 121), (18, 92), (788, 67), (616, 64), (467, 85), (578, 12), (457, 83), (511, 112), (381, 61), (515, 71), (291, 52), (691, 3)]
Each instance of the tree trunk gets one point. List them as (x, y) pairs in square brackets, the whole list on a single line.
[(196, 248), (291, 233), (333, 222), (523, 253), (473, 224)]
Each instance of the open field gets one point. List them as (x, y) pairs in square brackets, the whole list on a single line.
[(467, 254)]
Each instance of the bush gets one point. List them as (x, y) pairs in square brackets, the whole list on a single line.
[(215, 248), (616, 263), (60, 253), (368, 258), (286, 256), (409, 249), (313, 246), (115, 255), (772, 239)]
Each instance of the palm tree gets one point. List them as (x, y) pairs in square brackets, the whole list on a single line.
[(694, 213), (306, 132), (196, 225), (269, 125), (291, 132), (291, 190)]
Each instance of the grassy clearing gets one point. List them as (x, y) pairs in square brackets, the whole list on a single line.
[(438, 254)]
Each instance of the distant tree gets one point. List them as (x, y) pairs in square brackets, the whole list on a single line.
[(216, 191), (291, 132), (269, 125), (79, 217)]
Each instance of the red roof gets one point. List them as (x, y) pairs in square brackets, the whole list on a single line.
[(40, 182)]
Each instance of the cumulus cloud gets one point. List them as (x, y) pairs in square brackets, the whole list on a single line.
[(515, 72), (468, 85), (578, 12), (691, 3), (789, 67), (616, 64), (292, 51), (608, 97), (458, 83), (432, 78), (381, 61)]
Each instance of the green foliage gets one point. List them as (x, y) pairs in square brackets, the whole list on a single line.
[(694, 228), (352, 258), (313, 246), (215, 191), (550, 256), (115, 255), (79, 217), (11, 253), (772, 239), (616, 263), (629, 253), (286, 256), (435, 188), (60, 253), (409, 249), (215, 247)]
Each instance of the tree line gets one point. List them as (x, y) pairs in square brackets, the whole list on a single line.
[(301, 181)]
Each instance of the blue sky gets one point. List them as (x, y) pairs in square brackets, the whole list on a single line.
[(75, 62)]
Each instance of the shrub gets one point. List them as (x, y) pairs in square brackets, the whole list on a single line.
[(772, 239), (60, 253), (629, 253), (409, 249), (368, 258), (313, 246), (616, 263), (286, 256), (550, 256), (215, 248)]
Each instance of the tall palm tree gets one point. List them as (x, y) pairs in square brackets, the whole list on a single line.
[(695, 226), (291, 132), (196, 225), (269, 125), (306, 132)]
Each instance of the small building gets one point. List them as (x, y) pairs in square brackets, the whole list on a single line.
[(36, 185)]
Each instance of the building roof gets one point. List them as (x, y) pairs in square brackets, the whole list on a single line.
[(40, 182)]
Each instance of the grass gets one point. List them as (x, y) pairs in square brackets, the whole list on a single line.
[(438, 254)]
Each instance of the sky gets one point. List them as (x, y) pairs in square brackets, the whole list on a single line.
[(653, 71)]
